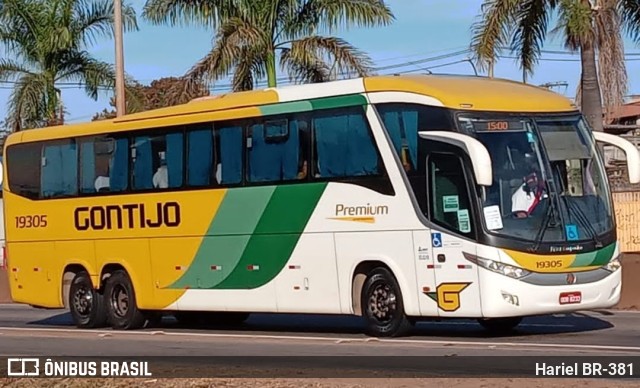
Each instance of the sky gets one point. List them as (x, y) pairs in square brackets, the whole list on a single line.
[(423, 29)]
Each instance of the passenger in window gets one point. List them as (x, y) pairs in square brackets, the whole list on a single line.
[(304, 170), (161, 177), (528, 196), (406, 161), (303, 165), (102, 174), (219, 173)]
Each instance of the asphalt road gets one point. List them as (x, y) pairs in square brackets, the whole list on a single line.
[(21, 327), (26, 331)]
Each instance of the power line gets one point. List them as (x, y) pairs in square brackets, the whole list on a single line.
[(396, 68)]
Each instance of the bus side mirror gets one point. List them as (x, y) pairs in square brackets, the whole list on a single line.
[(630, 150), (478, 153), (1, 174)]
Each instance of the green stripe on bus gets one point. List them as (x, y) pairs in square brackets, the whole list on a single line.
[(286, 107), (275, 237), (308, 105), (604, 255), (241, 210), (595, 258), (583, 259), (338, 102), (227, 237)]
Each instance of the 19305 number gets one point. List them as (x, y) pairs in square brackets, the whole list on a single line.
[(37, 221), (549, 264)]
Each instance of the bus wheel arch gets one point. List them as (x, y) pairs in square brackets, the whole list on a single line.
[(375, 279), (68, 274)]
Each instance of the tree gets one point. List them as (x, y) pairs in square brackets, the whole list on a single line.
[(251, 34), (46, 43), (594, 28), (160, 93)]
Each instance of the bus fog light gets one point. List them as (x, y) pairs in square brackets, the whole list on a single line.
[(511, 299)]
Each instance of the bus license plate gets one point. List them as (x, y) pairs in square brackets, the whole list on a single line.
[(570, 297)]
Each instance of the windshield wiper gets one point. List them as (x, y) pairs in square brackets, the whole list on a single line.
[(582, 218), (550, 220)]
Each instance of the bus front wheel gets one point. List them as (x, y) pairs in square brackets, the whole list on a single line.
[(500, 325), (122, 311), (86, 304), (383, 306)]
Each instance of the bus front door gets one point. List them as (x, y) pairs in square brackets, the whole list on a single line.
[(456, 293)]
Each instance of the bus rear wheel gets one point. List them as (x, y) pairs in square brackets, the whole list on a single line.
[(122, 310), (86, 304), (500, 325), (382, 305)]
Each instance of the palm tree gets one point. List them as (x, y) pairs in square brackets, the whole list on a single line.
[(46, 45), (251, 34), (592, 27)]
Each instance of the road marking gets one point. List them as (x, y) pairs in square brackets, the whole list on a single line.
[(170, 333), (520, 344), (336, 340), (454, 323)]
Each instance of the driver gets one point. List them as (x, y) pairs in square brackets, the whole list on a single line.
[(527, 197)]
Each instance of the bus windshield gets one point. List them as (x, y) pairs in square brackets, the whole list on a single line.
[(549, 183)]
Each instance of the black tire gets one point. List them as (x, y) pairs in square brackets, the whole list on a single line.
[(120, 298), (86, 304), (500, 325), (382, 305)]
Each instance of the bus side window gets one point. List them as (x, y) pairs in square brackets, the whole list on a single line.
[(59, 166), (119, 165), (402, 127), (304, 129), (344, 145), (23, 169), (229, 144), (157, 161), (274, 150), (200, 155), (95, 157)]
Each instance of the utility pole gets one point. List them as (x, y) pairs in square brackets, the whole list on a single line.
[(117, 21)]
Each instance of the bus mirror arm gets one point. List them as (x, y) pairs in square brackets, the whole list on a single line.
[(630, 150), (478, 153)]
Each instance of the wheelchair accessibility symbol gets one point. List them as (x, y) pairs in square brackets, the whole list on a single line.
[(436, 240), (572, 232)]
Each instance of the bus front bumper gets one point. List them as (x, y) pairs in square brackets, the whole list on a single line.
[(503, 296)]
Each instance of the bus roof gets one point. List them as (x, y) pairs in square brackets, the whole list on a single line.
[(456, 92)]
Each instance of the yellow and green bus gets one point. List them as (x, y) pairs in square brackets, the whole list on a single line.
[(395, 198)]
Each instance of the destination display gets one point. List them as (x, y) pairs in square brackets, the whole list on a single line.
[(483, 125)]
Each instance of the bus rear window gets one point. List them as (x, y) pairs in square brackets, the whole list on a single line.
[(23, 169)]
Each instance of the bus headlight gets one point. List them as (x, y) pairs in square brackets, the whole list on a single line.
[(613, 265), (497, 267)]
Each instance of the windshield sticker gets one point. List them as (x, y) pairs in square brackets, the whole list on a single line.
[(436, 240), (492, 217), (464, 223), (572, 232), (450, 203)]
